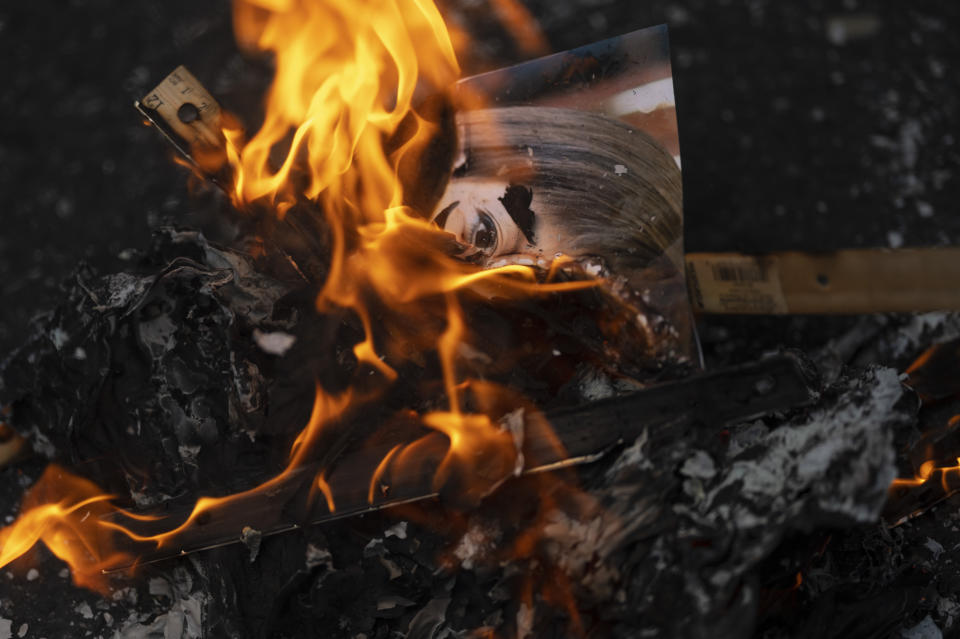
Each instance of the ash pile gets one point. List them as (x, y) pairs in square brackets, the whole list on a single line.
[(190, 375)]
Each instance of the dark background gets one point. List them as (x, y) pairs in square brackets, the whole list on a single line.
[(803, 125)]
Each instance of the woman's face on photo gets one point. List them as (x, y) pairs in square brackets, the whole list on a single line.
[(500, 220)]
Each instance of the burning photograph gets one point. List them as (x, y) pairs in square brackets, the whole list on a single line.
[(576, 155), (390, 319)]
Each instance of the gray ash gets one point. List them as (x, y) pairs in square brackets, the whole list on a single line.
[(697, 531)]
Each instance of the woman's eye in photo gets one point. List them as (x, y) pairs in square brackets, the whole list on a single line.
[(485, 235)]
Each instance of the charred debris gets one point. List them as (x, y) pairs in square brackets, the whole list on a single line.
[(190, 373)]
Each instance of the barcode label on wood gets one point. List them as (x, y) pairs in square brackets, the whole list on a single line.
[(731, 283), (733, 272)]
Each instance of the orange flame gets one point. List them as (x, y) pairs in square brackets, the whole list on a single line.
[(341, 117), (519, 22), (929, 470), (63, 511), (948, 476), (347, 74)]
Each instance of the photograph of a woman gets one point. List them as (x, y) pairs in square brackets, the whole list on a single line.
[(533, 184), (577, 156)]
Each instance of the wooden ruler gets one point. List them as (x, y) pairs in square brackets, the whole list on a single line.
[(184, 112), (845, 281)]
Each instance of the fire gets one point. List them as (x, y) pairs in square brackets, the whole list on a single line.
[(346, 77), (923, 375), (63, 511), (947, 476), (351, 113)]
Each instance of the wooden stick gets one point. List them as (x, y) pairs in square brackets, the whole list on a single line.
[(846, 281)]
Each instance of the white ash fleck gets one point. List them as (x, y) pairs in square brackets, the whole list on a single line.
[(389, 602), (158, 334), (677, 15), (642, 317), (398, 530), (145, 500), (23, 630), (129, 595), (189, 454), (275, 342), (924, 209), (84, 610), (64, 573), (182, 620), (124, 289), (513, 423), (59, 337), (911, 137), (926, 629), (79, 353), (619, 169), (316, 556), (247, 382), (745, 436), (841, 29), (699, 465), (251, 538), (634, 456), (923, 331), (33, 574), (393, 570), (694, 488), (524, 621), (472, 354), (934, 547), (948, 609), (476, 543), (894, 239), (159, 587), (594, 385), (594, 269)]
